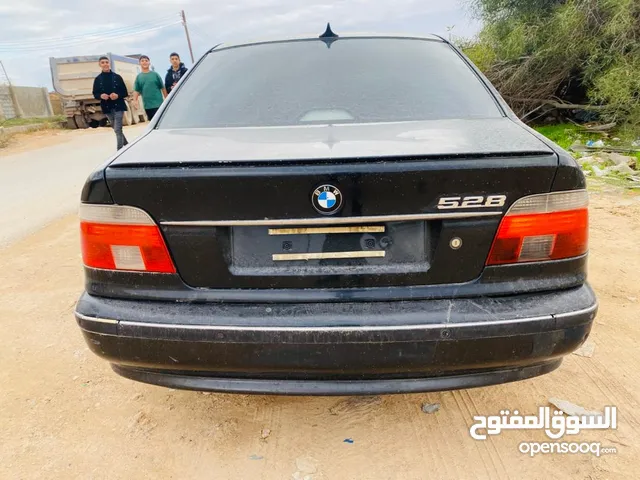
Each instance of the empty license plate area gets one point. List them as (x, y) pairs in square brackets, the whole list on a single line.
[(398, 247)]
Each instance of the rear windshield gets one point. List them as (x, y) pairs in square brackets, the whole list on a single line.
[(357, 80)]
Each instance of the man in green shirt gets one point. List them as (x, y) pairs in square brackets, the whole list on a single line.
[(150, 86)]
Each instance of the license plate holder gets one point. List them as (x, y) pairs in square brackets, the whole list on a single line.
[(395, 247)]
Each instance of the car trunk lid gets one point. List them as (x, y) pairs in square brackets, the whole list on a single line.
[(421, 202)]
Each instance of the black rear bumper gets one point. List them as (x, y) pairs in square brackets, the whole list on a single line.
[(338, 348)]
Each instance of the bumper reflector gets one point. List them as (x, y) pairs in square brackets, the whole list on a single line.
[(543, 227)]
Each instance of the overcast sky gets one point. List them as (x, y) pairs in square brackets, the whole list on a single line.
[(31, 31)]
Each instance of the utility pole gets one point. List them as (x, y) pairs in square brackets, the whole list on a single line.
[(5, 73), (186, 31)]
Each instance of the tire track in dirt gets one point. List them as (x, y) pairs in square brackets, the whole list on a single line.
[(488, 453), (428, 457)]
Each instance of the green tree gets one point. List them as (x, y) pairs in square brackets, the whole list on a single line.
[(552, 54)]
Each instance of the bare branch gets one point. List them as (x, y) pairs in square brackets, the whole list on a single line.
[(558, 105)]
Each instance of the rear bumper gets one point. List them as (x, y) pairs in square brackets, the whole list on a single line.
[(338, 348)]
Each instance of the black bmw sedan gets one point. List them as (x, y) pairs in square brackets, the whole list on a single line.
[(335, 215)]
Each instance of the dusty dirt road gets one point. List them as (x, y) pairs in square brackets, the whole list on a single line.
[(64, 414)]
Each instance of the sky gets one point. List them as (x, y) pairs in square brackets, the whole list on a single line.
[(31, 31)]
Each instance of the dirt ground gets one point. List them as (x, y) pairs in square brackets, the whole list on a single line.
[(26, 142), (64, 414)]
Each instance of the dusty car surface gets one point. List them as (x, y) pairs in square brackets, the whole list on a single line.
[(335, 215)]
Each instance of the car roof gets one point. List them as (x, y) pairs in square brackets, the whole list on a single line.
[(430, 37)]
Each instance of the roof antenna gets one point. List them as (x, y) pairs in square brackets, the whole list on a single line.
[(328, 36)]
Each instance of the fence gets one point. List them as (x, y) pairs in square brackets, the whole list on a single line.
[(25, 102)]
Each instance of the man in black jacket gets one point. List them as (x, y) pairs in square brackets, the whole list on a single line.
[(175, 73), (110, 89)]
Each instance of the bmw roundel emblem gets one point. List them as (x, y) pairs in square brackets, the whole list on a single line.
[(326, 199)]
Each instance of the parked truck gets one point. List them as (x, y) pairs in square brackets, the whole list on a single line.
[(73, 79)]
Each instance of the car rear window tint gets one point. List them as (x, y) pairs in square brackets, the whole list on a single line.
[(356, 80)]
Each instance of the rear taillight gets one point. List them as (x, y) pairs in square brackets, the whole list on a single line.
[(115, 237), (543, 227)]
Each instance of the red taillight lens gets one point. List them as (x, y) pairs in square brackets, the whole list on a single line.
[(115, 237), (543, 227)]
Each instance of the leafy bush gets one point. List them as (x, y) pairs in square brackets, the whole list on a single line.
[(554, 54)]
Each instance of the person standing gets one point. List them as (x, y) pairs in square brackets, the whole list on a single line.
[(110, 89), (150, 86), (175, 73)]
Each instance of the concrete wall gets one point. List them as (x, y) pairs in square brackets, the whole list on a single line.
[(26, 102), (6, 104)]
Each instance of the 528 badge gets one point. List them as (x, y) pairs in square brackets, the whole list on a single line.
[(475, 201)]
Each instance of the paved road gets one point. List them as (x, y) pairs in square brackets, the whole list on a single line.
[(41, 185)]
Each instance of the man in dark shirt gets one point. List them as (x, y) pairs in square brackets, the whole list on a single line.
[(175, 73), (110, 89)]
